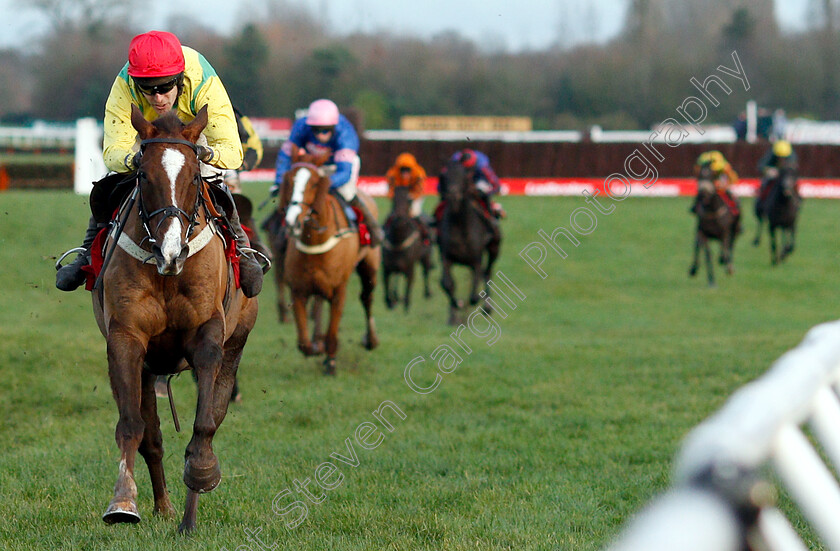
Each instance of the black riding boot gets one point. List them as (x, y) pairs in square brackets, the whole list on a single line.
[(376, 234), (250, 271), (71, 276)]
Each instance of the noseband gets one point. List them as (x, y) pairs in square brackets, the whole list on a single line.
[(169, 211)]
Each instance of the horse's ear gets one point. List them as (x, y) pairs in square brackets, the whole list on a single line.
[(193, 130), (138, 121), (296, 154)]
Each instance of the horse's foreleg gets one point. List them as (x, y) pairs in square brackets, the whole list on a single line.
[(695, 265), (125, 364), (223, 387), (367, 270), (151, 447), (388, 291), (726, 247), (190, 513), (282, 307), (426, 262), (316, 313), (759, 226), (774, 257), (709, 266), (409, 283), (204, 353), (477, 278), (331, 338), (448, 285)]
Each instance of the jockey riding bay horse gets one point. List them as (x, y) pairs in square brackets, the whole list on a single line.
[(781, 207), (167, 300), (321, 252), (406, 243), (715, 221), (464, 235)]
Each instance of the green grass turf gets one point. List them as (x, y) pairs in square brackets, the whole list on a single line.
[(551, 438)]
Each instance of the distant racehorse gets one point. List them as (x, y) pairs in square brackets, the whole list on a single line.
[(322, 251), (406, 244), (464, 235), (715, 221), (782, 209), (168, 300)]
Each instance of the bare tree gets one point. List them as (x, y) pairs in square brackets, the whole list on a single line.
[(91, 16)]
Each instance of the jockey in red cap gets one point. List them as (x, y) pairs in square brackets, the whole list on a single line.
[(161, 76)]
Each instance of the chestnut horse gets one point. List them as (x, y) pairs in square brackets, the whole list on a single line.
[(405, 245), (464, 236), (715, 221), (167, 301), (321, 252)]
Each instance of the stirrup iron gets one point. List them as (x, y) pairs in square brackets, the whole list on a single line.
[(77, 250)]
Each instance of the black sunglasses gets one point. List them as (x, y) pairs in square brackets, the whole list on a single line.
[(322, 129), (158, 89)]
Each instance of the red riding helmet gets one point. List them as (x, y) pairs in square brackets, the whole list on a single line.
[(155, 54)]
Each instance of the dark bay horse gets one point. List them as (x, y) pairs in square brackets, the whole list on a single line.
[(464, 236), (167, 301), (322, 251), (782, 209), (715, 221), (406, 244)]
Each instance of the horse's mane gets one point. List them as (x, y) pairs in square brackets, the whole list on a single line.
[(300, 155)]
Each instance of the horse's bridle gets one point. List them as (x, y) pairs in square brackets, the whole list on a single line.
[(296, 227), (169, 211)]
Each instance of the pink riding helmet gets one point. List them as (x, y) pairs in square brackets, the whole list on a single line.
[(322, 112)]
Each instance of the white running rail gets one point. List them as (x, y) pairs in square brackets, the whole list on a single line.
[(721, 499)]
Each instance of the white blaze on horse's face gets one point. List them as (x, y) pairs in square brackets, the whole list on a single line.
[(300, 181), (173, 161)]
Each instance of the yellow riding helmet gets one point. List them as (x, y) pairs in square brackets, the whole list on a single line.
[(715, 160), (782, 148)]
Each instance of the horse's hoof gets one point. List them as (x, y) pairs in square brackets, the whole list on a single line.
[(202, 479), (692, 271), (121, 511), (165, 510), (370, 342), (329, 366), (186, 528)]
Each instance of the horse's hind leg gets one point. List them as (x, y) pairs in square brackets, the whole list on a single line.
[(125, 364), (367, 270), (151, 447)]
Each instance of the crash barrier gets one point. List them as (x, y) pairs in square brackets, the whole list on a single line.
[(723, 497)]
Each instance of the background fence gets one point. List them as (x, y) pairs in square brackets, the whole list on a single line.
[(43, 156)]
